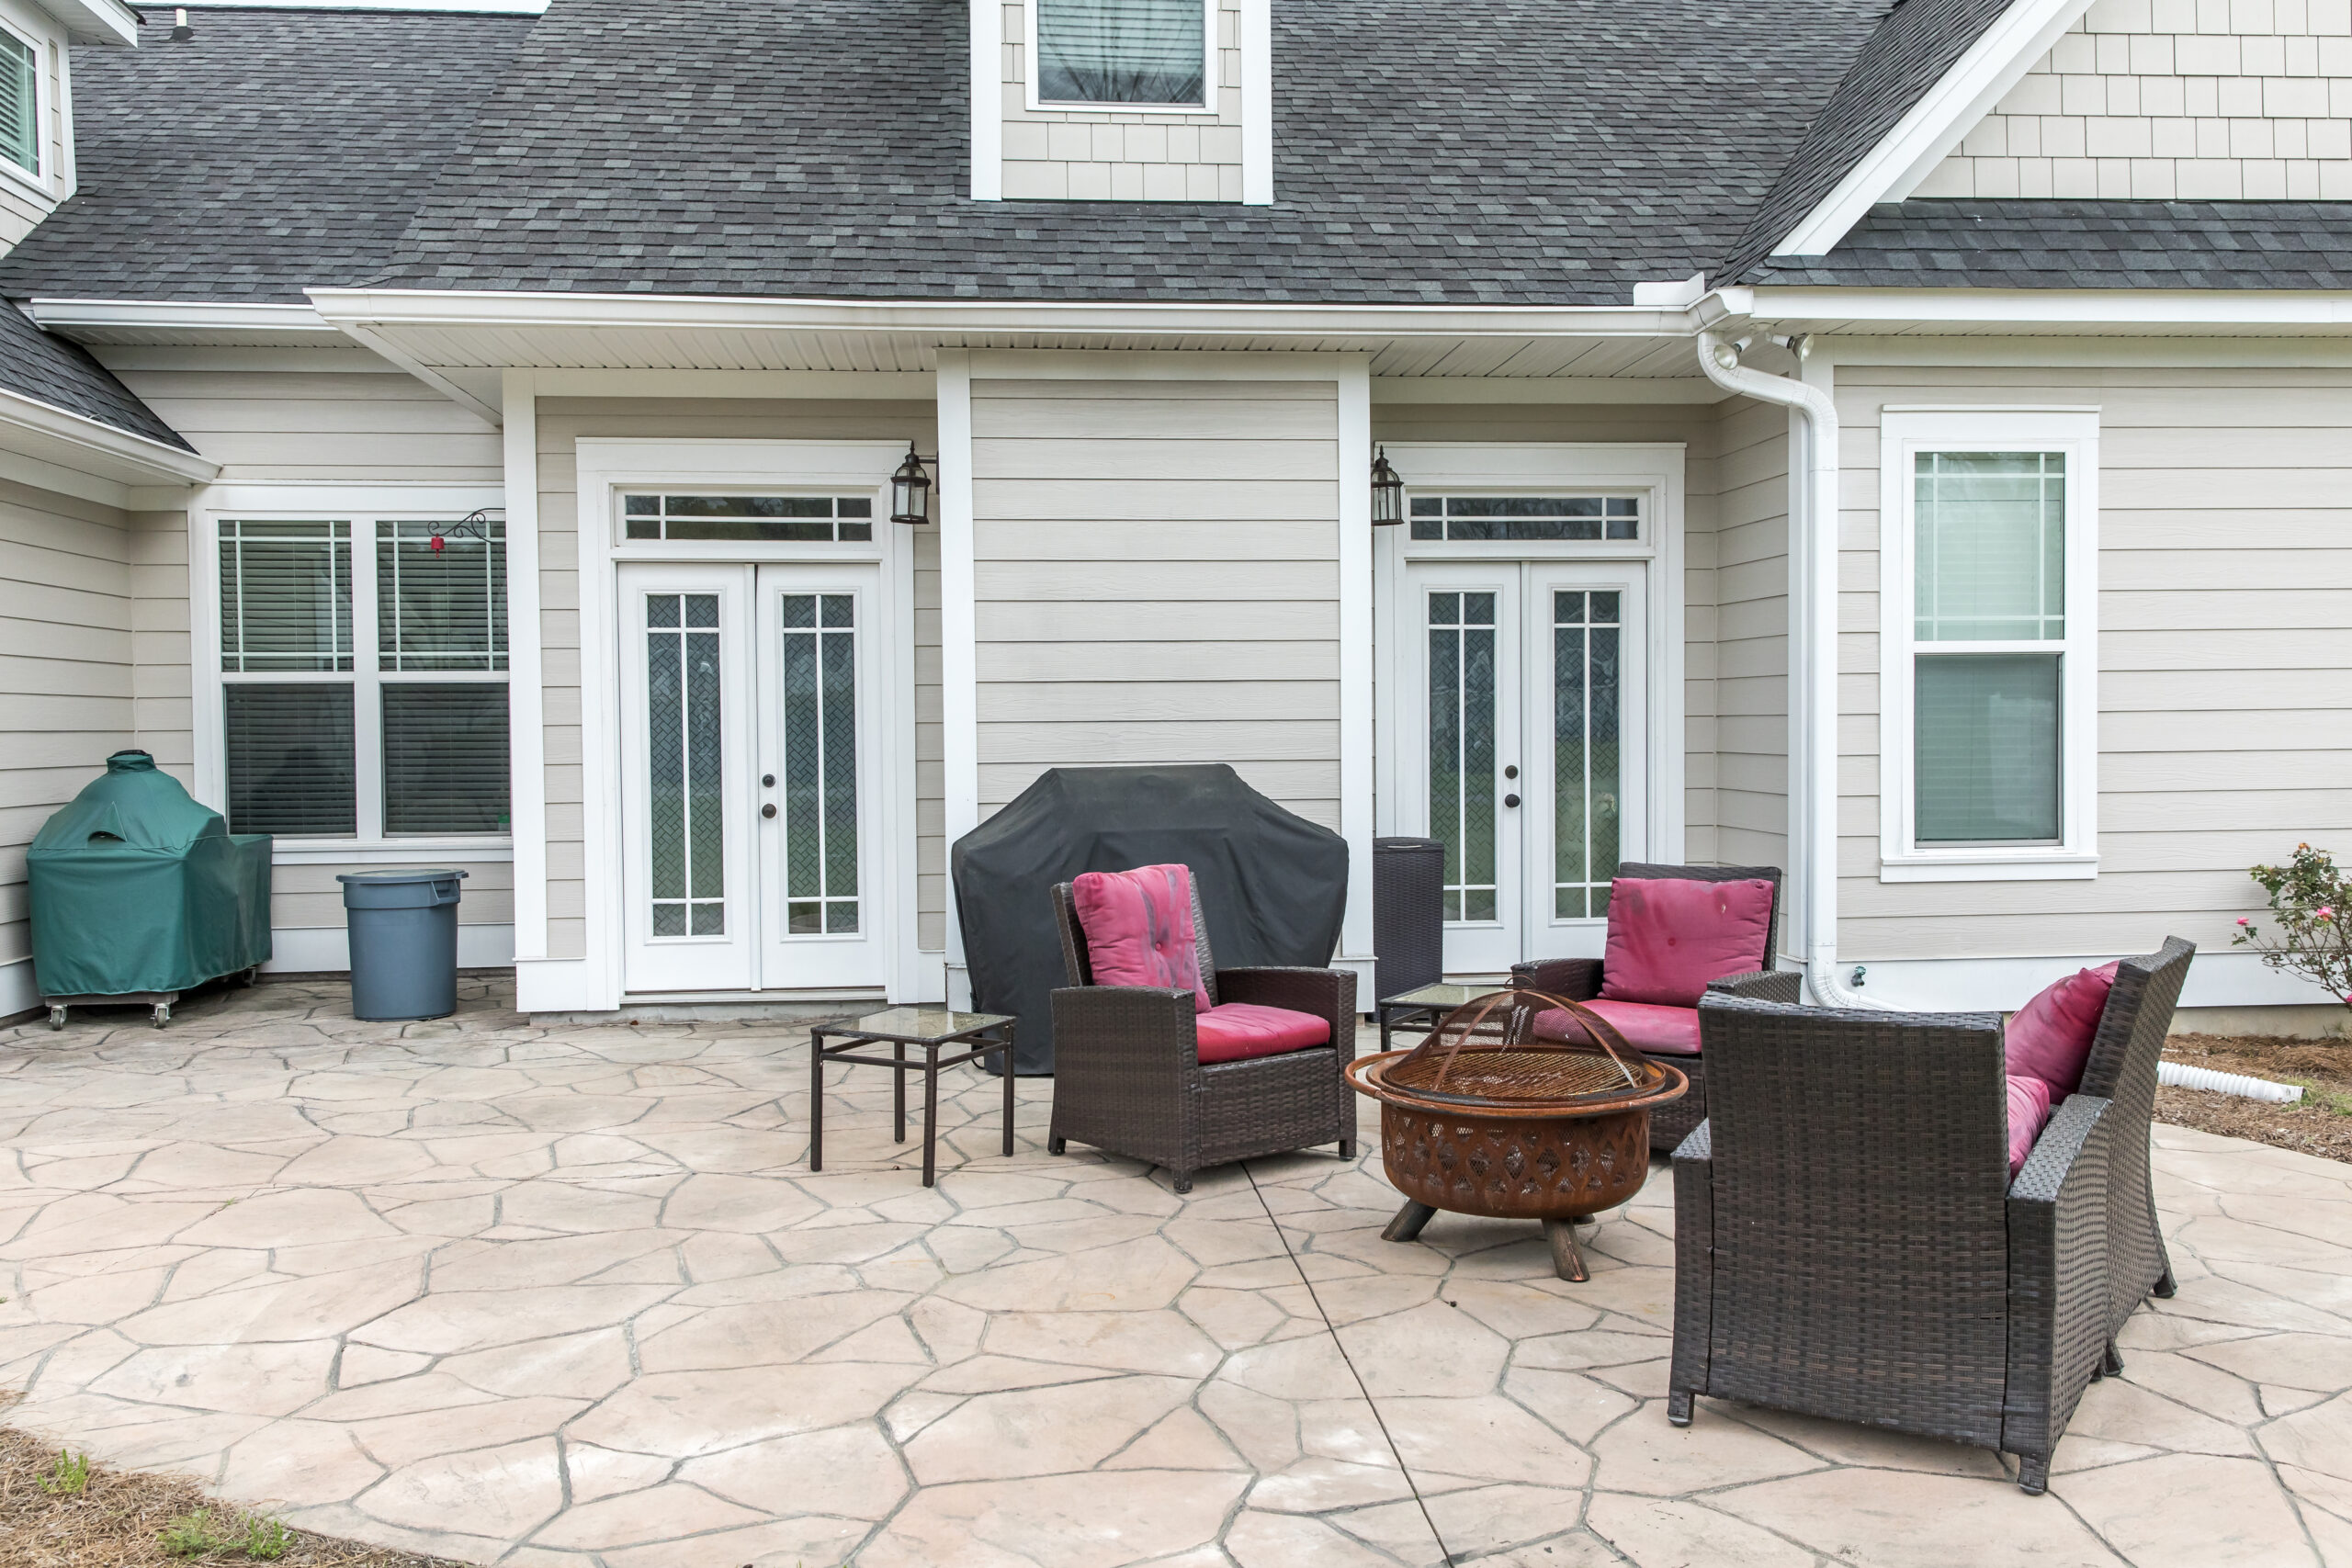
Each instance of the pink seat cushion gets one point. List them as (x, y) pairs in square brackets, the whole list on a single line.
[(1668, 937), (1138, 927), (2050, 1037), (1658, 1031), (1235, 1032), (2029, 1113)]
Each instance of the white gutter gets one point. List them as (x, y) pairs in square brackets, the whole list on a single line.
[(1813, 536), (119, 455), (261, 321)]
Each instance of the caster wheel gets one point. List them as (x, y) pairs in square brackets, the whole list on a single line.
[(159, 1014), (57, 1018)]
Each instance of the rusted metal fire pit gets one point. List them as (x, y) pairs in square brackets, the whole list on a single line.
[(1483, 1118)]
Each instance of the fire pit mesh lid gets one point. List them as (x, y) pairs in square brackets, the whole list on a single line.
[(1487, 1051)]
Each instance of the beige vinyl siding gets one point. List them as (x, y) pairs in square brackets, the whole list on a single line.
[(1156, 577), (2224, 725), (562, 421), (329, 426), (1106, 155), (65, 670), (1734, 505), (308, 897)]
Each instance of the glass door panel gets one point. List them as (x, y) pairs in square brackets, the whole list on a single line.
[(1586, 699), (1466, 624)]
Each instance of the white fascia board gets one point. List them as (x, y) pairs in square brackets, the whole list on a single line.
[(169, 315), (361, 312), (96, 21), (40, 430), (1935, 125), (2025, 309)]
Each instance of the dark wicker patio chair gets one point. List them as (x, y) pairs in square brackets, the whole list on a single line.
[(1578, 979), (1128, 1077), (1847, 1243)]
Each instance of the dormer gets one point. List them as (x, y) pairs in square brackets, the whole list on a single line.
[(1122, 100), (36, 100)]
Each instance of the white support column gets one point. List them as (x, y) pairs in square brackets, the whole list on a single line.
[(1357, 803), (987, 100), (958, 638), (527, 734)]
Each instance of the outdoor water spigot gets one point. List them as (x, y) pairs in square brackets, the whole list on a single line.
[(1860, 970)]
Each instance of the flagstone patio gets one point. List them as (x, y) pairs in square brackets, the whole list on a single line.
[(570, 1297)]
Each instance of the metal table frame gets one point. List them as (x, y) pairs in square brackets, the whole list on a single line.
[(977, 1035)]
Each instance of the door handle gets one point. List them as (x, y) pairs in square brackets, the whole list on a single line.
[(769, 810), (1511, 800)]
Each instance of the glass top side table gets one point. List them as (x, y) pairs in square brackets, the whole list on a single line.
[(930, 1029)]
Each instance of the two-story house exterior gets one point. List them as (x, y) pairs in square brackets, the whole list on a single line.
[(1906, 445)]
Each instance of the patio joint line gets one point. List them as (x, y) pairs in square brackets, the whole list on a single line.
[(1370, 1403)]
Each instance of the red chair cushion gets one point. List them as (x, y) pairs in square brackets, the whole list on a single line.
[(1648, 1028), (1235, 1032), (2029, 1113), (2050, 1037), (1138, 927), (1669, 937)]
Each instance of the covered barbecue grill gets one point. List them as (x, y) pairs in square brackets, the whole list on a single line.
[(139, 894)]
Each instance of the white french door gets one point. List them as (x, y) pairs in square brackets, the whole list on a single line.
[(1525, 748), (750, 761)]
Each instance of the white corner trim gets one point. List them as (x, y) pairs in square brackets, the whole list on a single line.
[(987, 33), (77, 440), (1257, 103), (1933, 126), (958, 624), (1357, 804), (525, 666)]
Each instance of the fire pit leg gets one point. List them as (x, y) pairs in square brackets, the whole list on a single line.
[(1406, 1226), (1567, 1262)]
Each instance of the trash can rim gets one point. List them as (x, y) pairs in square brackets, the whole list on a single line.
[(396, 878)]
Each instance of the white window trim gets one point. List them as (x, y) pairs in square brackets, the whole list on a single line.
[(1904, 433), (363, 506), (47, 54), (1207, 107)]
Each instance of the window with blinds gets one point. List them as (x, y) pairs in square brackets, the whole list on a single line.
[(364, 692), (1123, 51), (19, 103)]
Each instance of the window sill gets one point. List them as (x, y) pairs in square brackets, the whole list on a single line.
[(2028, 865), (1199, 111), (390, 852)]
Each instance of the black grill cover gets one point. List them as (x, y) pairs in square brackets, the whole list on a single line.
[(1273, 885)]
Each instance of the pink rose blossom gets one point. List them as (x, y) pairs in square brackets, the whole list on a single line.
[(2243, 921), (2325, 913)]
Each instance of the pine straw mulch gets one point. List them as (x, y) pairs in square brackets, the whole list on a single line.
[(116, 1521), (2321, 1124)]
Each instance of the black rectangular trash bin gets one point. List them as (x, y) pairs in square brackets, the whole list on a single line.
[(1407, 914)]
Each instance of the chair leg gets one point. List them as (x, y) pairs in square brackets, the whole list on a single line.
[(2164, 1286), (1183, 1181), (1678, 1407), (1567, 1262), (2034, 1476), (1347, 1148), (1406, 1226), (2113, 1362), (1057, 1145)]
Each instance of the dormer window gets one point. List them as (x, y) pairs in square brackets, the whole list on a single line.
[(1137, 54), (19, 103)]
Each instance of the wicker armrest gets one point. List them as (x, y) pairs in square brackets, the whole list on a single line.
[(1123, 1029), (1327, 993), (2058, 1291), (1694, 1268), (1578, 979), (1765, 985)]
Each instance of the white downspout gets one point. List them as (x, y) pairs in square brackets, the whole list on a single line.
[(1813, 654)]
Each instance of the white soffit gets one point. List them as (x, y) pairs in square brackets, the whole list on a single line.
[(1936, 124), (96, 21)]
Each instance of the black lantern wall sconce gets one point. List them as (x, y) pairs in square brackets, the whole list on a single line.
[(910, 489), (1387, 491)]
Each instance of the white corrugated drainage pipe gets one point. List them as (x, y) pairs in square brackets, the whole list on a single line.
[(1813, 649), (2181, 1076)]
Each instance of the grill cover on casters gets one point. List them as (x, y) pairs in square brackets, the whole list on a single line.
[(1273, 885), (136, 887)]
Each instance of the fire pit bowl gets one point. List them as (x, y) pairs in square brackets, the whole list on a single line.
[(1483, 1118)]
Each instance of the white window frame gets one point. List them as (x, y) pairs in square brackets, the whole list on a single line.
[(1906, 432), (42, 176), (1207, 107), (363, 507)]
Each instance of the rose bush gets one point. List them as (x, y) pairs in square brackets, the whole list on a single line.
[(2308, 938)]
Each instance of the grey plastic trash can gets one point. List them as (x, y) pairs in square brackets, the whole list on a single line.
[(403, 943)]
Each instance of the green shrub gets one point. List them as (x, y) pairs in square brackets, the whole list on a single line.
[(2311, 907)]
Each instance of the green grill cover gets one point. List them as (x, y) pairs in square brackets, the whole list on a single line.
[(136, 887)]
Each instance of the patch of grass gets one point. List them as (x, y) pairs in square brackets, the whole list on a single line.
[(209, 1532), (69, 1477), (199, 1534), (267, 1540)]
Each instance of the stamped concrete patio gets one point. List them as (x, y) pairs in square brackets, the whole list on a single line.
[(569, 1297)]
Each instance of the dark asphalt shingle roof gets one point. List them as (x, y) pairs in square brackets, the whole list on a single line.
[(2046, 243), (62, 375), (1919, 42), (274, 150)]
